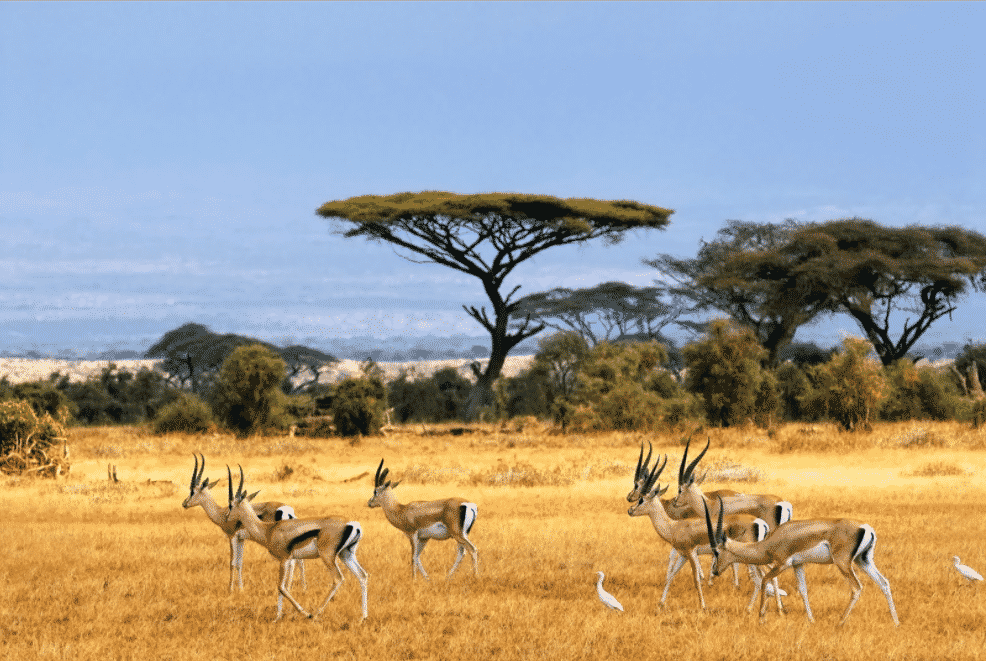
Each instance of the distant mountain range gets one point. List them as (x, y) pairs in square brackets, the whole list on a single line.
[(401, 349), (391, 349)]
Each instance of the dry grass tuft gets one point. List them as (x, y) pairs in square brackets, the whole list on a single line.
[(724, 469), (917, 437), (936, 469), (520, 474)]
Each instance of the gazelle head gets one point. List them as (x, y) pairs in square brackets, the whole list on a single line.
[(686, 476), (640, 476), (199, 486), (381, 485), (717, 540), (650, 491)]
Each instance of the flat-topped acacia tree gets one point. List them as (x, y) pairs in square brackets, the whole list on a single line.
[(487, 235)]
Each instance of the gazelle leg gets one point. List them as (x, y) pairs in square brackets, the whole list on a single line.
[(882, 583), (338, 579), (417, 546), (769, 576), (736, 575), (755, 577), (857, 589), (697, 569), (673, 569), (283, 590), (349, 558), (460, 551), (799, 571), (236, 543), (301, 573)]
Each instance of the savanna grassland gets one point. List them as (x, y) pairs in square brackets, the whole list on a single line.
[(95, 569)]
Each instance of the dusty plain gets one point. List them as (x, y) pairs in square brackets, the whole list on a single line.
[(94, 569)]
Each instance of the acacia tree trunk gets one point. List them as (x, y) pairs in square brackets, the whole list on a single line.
[(481, 394)]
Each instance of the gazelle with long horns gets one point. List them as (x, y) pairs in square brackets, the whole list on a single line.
[(692, 501), (841, 542), (330, 538), (639, 480), (423, 520), (200, 496), (688, 536)]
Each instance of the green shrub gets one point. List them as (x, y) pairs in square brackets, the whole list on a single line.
[(246, 397), (851, 386), (620, 386), (358, 406), (188, 414), (725, 369), (918, 393)]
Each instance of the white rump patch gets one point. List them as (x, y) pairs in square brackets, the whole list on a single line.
[(785, 511), (472, 510), (760, 529), (284, 512)]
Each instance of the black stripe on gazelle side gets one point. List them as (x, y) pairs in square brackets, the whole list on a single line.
[(302, 539)]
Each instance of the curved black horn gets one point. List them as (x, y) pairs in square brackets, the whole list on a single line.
[(719, 535), (642, 463), (708, 527), (239, 490), (229, 483), (195, 472), (654, 474), (684, 458), (690, 471), (376, 478)]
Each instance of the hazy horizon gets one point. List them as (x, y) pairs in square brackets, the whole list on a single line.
[(162, 163)]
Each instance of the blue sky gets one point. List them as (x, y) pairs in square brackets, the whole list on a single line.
[(161, 162)]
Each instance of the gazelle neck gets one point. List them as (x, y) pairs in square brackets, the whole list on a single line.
[(218, 515), (248, 518), (659, 517), (387, 500)]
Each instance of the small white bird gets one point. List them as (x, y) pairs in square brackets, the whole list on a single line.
[(605, 597), (968, 572)]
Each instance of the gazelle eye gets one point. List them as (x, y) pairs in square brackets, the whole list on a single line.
[(640, 502)]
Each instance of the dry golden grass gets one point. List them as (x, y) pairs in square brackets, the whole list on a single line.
[(121, 571)]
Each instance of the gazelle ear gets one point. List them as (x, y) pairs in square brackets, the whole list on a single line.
[(253, 495), (661, 492), (207, 484), (394, 485)]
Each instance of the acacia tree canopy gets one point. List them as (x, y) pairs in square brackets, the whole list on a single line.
[(725, 277), (606, 312), (876, 274), (487, 236)]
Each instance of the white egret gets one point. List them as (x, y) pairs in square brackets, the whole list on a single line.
[(968, 572), (605, 597)]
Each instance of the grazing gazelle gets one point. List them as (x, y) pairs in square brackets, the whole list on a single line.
[(330, 538), (423, 520), (841, 542), (200, 496), (688, 536)]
